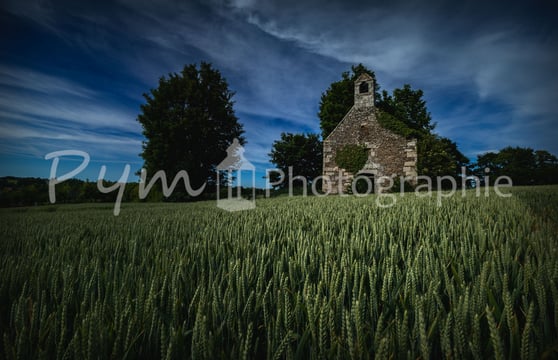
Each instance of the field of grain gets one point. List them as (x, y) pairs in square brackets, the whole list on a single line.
[(332, 277)]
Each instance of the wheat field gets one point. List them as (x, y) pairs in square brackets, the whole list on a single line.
[(300, 277)]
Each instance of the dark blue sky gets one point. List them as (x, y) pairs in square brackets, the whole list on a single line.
[(72, 74)]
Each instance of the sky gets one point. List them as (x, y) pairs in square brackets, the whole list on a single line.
[(72, 74)]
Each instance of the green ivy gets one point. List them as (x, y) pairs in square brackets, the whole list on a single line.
[(352, 157), (390, 122)]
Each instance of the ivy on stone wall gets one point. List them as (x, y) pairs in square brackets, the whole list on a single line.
[(390, 122), (351, 157)]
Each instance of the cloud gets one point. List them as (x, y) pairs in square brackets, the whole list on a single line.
[(486, 69), (496, 57), (269, 77), (21, 131), (41, 112), (39, 11), (44, 137), (60, 111), (19, 77), (517, 73), (36, 95)]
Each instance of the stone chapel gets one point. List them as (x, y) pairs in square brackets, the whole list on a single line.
[(389, 154)]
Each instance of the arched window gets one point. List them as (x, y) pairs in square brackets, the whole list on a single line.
[(363, 88)]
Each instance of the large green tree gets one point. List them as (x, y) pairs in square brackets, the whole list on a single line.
[(301, 151), (188, 122)]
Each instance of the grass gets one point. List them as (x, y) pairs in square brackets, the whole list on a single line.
[(333, 277)]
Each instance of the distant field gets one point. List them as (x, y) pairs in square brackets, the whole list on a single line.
[(333, 277)]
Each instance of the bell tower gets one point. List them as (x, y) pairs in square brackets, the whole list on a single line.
[(364, 91)]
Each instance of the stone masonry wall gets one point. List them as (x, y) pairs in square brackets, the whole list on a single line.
[(389, 154)]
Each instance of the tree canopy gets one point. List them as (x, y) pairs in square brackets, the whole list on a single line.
[(408, 106), (301, 151), (439, 156), (524, 166), (188, 122)]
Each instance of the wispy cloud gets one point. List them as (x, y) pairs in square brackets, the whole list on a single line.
[(62, 110), (497, 60), (22, 78), (486, 69), (48, 112)]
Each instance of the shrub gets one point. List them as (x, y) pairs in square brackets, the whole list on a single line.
[(352, 157)]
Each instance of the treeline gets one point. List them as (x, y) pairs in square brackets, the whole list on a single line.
[(524, 166), (15, 191)]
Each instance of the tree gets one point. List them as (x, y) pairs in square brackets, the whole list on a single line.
[(487, 160), (338, 99), (547, 167), (519, 164), (544, 159), (523, 165), (301, 151), (188, 122), (439, 156), (408, 106)]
